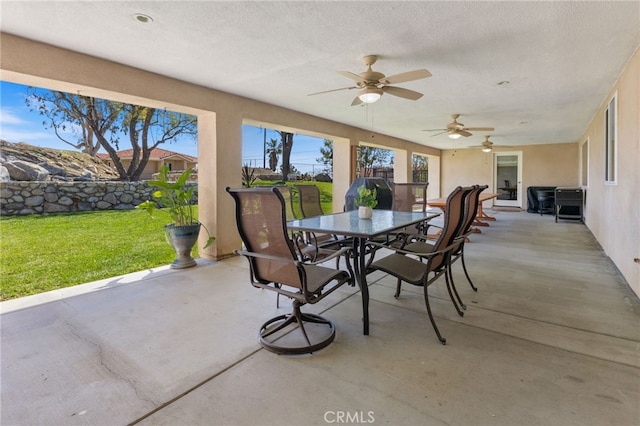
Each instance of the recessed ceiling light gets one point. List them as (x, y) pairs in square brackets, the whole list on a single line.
[(142, 18), (503, 82), (524, 122)]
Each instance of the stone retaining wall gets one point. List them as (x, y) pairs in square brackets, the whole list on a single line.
[(20, 198)]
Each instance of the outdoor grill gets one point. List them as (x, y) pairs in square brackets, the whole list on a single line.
[(384, 193)]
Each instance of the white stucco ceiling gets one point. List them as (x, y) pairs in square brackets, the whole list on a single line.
[(561, 58)]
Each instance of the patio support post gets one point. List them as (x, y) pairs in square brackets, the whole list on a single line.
[(219, 165), (341, 171), (402, 166)]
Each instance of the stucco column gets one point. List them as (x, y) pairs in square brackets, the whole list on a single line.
[(219, 163), (402, 163), (434, 190), (341, 171)]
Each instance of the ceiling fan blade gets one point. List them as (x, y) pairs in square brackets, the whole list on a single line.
[(434, 130), (333, 90), (352, 76), (403, 93), (480, 129), (445, 131), (464, 133), (356, 101), (406, 76)]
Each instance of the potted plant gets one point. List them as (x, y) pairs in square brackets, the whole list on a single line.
[(176, 198), (366, 201)]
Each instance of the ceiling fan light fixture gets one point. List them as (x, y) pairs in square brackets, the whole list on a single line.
[(370, 95), (142, 18), (486, 149), (454, 135)]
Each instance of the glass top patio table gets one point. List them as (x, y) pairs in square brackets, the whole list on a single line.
[(349, 224)]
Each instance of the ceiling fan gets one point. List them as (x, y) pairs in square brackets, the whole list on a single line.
[(487, 145), (456, 129), (373, 84)]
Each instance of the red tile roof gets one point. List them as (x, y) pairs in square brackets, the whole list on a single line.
[(156, 154)]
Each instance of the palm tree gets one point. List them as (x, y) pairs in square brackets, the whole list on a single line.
[(273, 150)]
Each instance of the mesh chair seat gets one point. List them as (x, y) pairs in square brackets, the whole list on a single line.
[(310, 206), (403, 267), (318, 276), (419, 246)]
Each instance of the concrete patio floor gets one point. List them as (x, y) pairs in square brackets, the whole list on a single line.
[(552, 337)]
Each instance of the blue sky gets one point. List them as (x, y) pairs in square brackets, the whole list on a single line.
[(19, 124)]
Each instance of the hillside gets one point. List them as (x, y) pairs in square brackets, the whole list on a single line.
[(61, 164)]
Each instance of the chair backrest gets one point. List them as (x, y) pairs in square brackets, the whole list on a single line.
[(309, 200), (471, 208), (287, 196), (262, 224), (406, 195), (453, 217)]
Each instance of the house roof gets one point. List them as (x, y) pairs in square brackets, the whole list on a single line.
[(157, 154), (536, 71)]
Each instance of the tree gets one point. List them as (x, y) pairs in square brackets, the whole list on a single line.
[(273, 150), (287, 145), (371, 157), (108, 121), (420, 162), (420, 170), (67, 113), (327, 157)]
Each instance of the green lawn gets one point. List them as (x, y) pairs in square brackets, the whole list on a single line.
[(40, 253)]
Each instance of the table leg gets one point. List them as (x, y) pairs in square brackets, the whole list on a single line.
[(482, 216), (359, 256)]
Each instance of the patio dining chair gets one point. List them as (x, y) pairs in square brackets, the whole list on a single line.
[(405, 197), (470, 211), (310, 206), (402, 265), (408, 195), (274, 265), (309, 200), (287, 196)]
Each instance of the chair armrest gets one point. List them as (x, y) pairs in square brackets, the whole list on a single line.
[(267, 257), (246, 253), (337, 253)]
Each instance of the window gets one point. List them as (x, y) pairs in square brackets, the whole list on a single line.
[(611, 142), (584, 164)]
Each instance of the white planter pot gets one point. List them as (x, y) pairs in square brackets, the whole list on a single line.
[(365, 212)]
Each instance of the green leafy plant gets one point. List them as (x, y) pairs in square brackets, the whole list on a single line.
[(175, 198), (366, 197), (248, 176)]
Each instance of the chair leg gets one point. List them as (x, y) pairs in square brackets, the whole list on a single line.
[(464, 268), (433, 322), (449, 280), (298, 316), (280, 322), (398, 287)]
